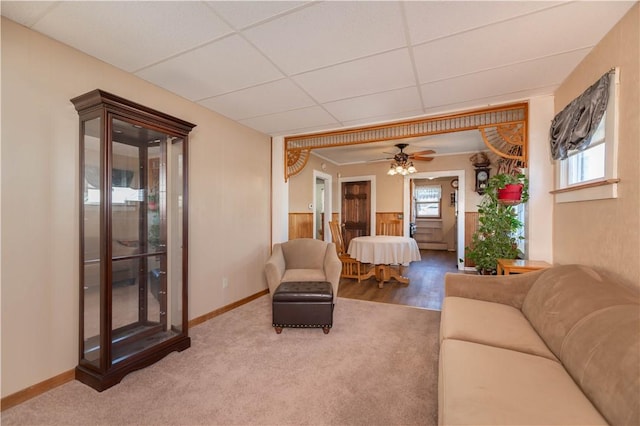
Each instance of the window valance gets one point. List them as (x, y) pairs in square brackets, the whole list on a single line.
[(573, 127), (428, 193)]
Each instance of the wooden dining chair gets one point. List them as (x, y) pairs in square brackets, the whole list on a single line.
[(351, 268), (392, 227)]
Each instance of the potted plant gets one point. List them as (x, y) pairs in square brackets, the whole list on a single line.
[(512, 188), (498, 224)]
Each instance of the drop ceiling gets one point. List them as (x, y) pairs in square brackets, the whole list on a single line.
[(290, 67)]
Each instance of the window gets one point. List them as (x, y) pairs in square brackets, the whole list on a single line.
[(590, 174), (589, 164), (428, 201)]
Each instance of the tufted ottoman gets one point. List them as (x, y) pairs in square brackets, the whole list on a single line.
[(303, 304)]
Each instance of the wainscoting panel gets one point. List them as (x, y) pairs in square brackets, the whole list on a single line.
[(300, 225), (470, 227)]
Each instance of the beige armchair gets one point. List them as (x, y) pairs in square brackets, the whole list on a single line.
[(303, 259)]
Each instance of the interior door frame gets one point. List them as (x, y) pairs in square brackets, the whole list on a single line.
[(328, 211), (460, 174), (372, 198)]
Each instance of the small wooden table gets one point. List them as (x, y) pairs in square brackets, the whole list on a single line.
[(519, 266)]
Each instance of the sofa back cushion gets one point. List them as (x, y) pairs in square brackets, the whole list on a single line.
[(602, 354), (588, 323), (564, 295), (304, 253)]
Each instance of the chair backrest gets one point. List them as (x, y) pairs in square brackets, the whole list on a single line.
[(392, 227), (304, 253), (336, 236)]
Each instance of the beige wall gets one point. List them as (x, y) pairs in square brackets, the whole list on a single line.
[(301, 185), (229, 212), (605, 233)]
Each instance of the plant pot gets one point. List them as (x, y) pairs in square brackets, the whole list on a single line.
[(511, 193)]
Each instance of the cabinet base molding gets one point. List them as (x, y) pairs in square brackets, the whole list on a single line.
[(102, 381)]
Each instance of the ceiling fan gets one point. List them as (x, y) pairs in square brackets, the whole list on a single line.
[(415, 156), (403, 163)]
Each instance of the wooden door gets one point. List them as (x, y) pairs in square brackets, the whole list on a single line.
[(356, 210)]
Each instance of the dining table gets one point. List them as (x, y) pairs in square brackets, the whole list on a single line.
[(389, 254)]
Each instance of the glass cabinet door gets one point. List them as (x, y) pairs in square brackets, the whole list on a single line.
[(139, 258), (133, 228), (92, 265)]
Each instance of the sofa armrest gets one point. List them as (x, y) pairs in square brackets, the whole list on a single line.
[(274, 268), (506, 289)]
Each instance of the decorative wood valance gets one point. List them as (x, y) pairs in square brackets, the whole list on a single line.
[(503, 129)]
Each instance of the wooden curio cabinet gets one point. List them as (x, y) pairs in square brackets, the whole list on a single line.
[(133, 237)]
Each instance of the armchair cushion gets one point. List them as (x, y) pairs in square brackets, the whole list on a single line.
[(298, 275)]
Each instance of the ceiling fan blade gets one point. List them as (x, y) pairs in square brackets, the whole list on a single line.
[(426, 152), (420, 158)]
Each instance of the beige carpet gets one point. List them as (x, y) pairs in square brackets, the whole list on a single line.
[(378, 366)]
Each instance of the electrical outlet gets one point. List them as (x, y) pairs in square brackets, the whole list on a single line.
[(225, 282)]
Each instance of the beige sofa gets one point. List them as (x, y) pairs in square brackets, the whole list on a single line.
[(303, 259), (558, 346)]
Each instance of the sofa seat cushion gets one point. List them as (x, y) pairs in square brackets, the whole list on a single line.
[(490, 323), (291, 275), (485, 385)]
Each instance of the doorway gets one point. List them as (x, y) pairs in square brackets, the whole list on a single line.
[(459, 205), (356, 209), (321, 205)]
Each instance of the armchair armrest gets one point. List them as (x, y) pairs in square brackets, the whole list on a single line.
[(274, 268), (506, 289), (332, 268)]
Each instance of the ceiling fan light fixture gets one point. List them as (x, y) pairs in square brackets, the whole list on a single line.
[(401, 164)]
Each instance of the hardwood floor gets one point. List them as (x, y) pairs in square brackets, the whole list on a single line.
[(425, 289)]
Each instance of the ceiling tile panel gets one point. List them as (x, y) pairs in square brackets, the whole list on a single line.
[(509, 98), (388, 71), (241, 14), (376, 105), (328, 33), (270, 98), (405, 115), (291, 120), (545, 72), (139, 33), (26, 13), (220, 67), (429, 20), (556, 31)]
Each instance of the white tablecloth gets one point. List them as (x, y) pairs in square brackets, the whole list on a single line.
[(384, 250)]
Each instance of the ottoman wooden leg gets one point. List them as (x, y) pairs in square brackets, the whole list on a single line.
[(326, 330), (278, 330)]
